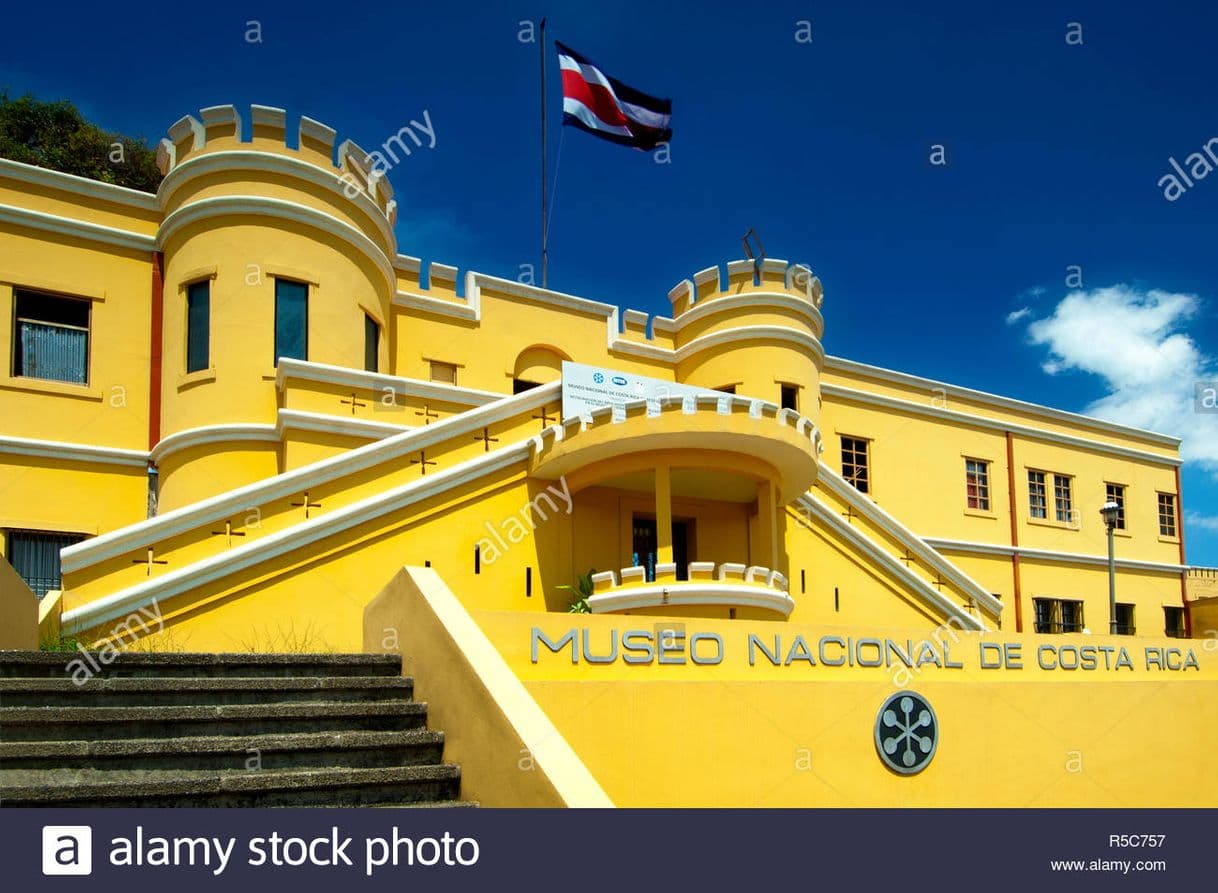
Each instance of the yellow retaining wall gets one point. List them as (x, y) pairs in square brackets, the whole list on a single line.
[(800, 735), (18, 611)]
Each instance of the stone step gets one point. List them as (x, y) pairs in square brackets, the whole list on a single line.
[(29, 664), (176, 691), (108, 723), (300, 787), (414, 747)]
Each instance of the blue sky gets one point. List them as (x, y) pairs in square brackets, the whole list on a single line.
[(1054, 157)]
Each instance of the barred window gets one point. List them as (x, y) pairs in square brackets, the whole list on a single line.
[(977, 484), (1116, 493), (1125, 620), (1056, 615), (1167, 514), (34, 555), (1063, 497), (855, 467), (1173, 622), (51, 337), (1037, 505)]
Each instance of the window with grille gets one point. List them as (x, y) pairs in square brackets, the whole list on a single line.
[(855, 466), (1173, 622), (1056, 615), (1167, 514), (1116, 493), (977, 484), (1037, 504), (34, 555), (51, 337), (1063, 497)]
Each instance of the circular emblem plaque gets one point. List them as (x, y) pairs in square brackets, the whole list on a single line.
[(906, 733)]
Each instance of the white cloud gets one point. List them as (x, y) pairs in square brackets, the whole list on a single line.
[(1201, 522), (1137, 342), (1016, 315)]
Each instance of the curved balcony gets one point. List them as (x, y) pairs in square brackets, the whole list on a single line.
[(734, 586), (723, 432)]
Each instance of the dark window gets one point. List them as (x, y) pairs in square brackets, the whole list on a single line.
[(790, 397), (519, 385), (1055, 615), (372, 344), (855, 467), (34, 555), (1063, 498), (291, 320), (51, 337), (1124, 620), (1167, 514), (1116, 493), (727, 389), (977, 484), (1037, 506), (198, 325), (1173, 622)]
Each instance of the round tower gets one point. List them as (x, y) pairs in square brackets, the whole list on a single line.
[(270, 251), (758, 333)]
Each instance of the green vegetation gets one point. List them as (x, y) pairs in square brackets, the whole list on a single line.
[(582, 588), (55, 135)]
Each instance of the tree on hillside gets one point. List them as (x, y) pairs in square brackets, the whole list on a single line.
[(55, 135)]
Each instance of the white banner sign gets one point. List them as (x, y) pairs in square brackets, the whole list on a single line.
[(585, 388)]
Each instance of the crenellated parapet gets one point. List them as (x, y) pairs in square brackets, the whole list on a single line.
[(223, 129), (746, 276)]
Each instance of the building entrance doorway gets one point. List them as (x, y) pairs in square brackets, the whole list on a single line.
[(643, 548)]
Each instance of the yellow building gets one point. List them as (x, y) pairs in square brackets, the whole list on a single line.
[(233, 412)]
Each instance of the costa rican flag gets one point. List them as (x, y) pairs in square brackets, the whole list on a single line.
[(605, 107)]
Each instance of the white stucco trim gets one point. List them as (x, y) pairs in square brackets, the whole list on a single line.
[(144, 533), (67, 226), (211, 434), (890, 376), (693, 592), (438, 306), (347, 426), (544, 296), (748, 333), (1005, 551), (298, 536), (82, 186), (75, 452), (863, 543), (934, 412), (266, 162), (753, 300), (303, 370), (228, 205), (836, 484)]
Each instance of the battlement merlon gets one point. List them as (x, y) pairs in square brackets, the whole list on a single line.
[(770, 275), (221, 128)]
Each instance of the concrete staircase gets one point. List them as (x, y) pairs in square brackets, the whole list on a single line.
[(217, 730)]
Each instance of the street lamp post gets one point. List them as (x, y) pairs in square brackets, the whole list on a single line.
[(1110, 512)]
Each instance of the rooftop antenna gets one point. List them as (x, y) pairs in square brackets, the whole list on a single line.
[(753, 249)]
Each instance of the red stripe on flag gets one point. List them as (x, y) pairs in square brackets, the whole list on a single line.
[(599, 100)]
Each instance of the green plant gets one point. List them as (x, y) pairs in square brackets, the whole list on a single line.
[(62, 643), (583, 589), (55, 135)]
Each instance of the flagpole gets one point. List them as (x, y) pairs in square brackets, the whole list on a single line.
[(543, 153)]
